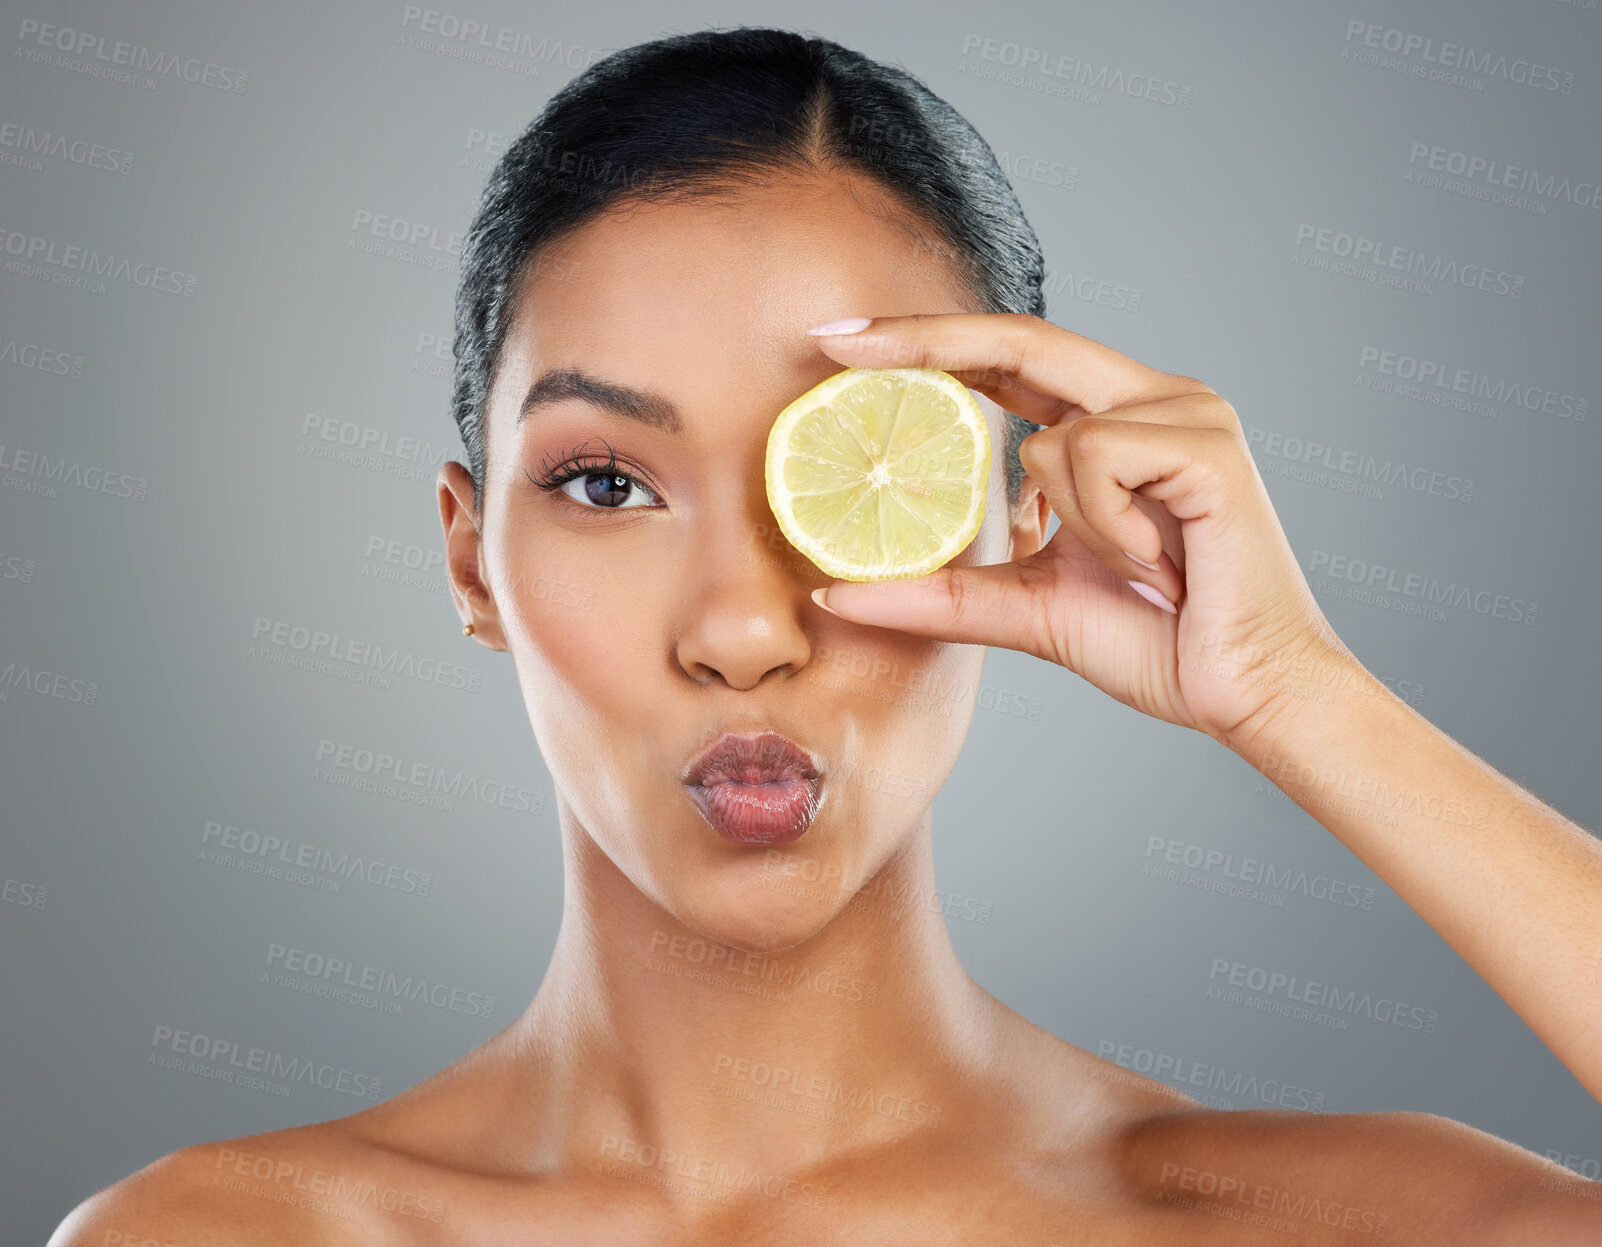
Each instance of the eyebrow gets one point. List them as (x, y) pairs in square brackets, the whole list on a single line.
[(561, 384)]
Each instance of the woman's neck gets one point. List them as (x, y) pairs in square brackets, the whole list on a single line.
[(646, 1040)]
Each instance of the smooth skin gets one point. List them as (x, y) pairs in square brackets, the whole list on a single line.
[(683, 962)]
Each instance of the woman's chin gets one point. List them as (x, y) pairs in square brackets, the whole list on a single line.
[(758, 920)]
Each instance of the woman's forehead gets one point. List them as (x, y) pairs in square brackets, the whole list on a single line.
[(706, 301), (750, 263)]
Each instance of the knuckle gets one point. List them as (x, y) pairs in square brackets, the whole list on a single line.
[(1192, 384), (1226, 447), (1223, 408), (1012, 358), (1230, 437), (1018, 341), (961, 600), (1090, 435)]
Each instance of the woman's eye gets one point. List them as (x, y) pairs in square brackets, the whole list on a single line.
[(607, 491)]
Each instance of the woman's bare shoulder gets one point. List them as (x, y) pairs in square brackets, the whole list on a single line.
[(1405, 1176), (320, 1185), (370, 1177)]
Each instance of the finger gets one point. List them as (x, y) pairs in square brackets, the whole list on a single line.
[(1113, 458), (1063, 496), (1013, 395), (991, 604), (1138, 535), (1046, 358), (1168, 526)]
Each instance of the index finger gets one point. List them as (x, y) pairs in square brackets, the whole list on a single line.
[(1043, 356)]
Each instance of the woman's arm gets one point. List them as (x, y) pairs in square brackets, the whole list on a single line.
[(1153, 480), (1512, 885)]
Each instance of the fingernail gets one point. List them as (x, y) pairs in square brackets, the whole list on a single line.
[(818, 595), (1151, 595), (1142, 561), (852, 324)]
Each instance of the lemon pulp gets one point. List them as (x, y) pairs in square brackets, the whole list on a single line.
[(880, 473)]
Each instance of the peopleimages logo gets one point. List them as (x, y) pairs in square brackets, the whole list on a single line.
[(1426, 590), (719, 1175), (1457, 56), (1256, 1203), (227, 1060), (119, 60), (320, 1190), (371, 438), (22, 893), (1359, 468), (397, 238), (1292, 989), (72, 265), (1102, 76), (48, 684), (1281, 880), (246, 848), (1498, 177), (16, 568), (789, 975), (1214, 1078), (40, 474), (23, 145), (503, 39), (1112, 295), (323, 975), (1435, 376), (322, 651), (433, 355), (1416, 264), (475, 42), (784, 1082), (41, 358), (374, 770)]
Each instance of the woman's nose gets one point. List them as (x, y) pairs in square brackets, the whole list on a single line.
[(746, 607)]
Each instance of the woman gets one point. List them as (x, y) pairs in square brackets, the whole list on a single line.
[(732, 1042)]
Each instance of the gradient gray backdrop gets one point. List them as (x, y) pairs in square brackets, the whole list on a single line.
[(174, 473)]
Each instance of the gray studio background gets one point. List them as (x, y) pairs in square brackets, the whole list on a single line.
[(197, 420)]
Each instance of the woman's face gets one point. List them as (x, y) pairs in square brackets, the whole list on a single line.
[(644, 621)]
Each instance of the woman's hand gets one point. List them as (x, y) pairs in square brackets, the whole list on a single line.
[(1138, 464), (1132, 457)]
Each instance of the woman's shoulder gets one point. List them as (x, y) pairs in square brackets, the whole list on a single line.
[(323, 1185), (377, 1176), (1404, 1176)]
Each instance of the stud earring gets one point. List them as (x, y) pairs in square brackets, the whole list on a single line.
[(467, 629)]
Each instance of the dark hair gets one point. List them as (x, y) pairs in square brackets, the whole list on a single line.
[(696, 113)]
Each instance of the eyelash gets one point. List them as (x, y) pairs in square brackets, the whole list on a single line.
[(572, 468)]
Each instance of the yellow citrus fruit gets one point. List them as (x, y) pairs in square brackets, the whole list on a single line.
[(880, 473)]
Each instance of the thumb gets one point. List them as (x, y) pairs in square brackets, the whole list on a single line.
[(968, 605)]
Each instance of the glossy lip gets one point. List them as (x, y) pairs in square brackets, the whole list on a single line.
[(751, 758), (755, 787)]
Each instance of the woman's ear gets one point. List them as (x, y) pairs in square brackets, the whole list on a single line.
[(464, 556), (1030, 519)]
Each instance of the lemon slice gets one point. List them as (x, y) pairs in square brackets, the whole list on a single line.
[(880, 473)]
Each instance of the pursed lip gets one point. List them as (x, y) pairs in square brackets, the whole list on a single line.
[(751, 758)]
